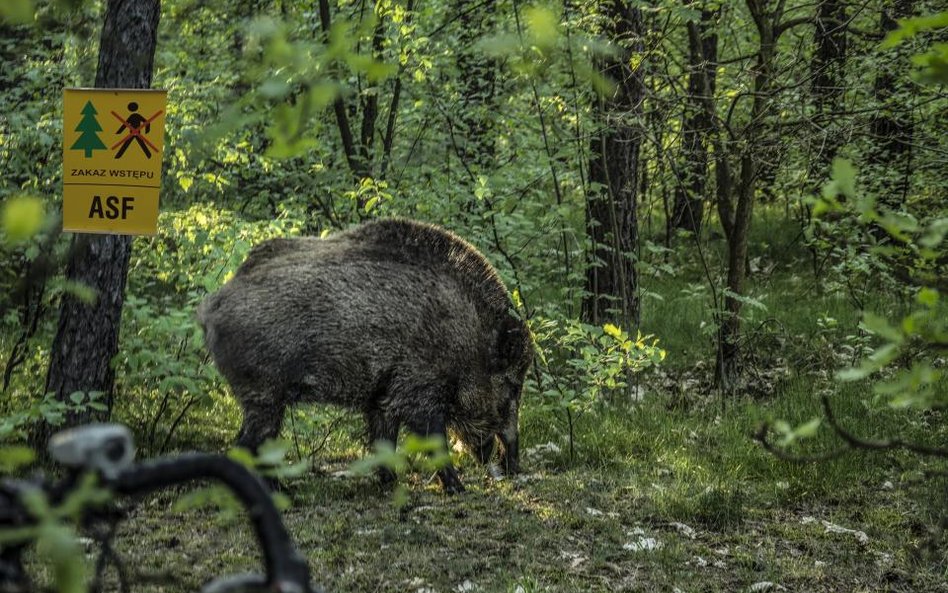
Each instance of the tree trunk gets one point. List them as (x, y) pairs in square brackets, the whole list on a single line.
[(736, 219), (688, 211), (828, 69), (478, 77), (87, 336), (611, 286), (892, 127)]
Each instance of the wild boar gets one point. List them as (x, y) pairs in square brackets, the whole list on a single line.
[(401, 320)]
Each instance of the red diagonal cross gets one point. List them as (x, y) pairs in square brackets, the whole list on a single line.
[(136, 131)]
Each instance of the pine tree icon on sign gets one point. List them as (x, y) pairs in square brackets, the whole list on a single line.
[(90, 128)]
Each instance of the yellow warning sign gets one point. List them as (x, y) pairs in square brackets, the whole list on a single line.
[(112, 142)]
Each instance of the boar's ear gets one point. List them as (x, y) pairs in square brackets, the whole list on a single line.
[(508, 344)]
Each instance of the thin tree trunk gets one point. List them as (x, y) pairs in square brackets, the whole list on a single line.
[(478, 78), (370, 102), (828, 69), (754, 152), (688, 211), (353, 152), (611, 286), (87, 336)]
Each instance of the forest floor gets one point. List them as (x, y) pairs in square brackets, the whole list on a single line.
[(673, 513), (666, 491)]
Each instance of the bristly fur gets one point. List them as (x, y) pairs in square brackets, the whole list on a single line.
[(436, 246), (402, 320)]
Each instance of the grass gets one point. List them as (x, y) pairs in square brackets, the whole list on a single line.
[(567, 526), (678, 468)]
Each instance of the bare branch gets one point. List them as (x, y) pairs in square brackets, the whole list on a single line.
[(761, 437), (861, 443)]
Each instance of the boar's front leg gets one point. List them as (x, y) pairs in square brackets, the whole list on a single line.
[(382, 428), (263, 418), (434, 425)]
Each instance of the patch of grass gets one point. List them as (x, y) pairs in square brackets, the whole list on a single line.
[(715, 507)]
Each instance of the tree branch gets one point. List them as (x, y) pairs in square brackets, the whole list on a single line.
[(861, 443), (851, 440)]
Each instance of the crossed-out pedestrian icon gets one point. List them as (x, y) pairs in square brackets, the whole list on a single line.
[(134, 124)]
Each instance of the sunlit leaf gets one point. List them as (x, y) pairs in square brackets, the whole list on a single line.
[(23, 217), (15, 457), (17, 12), (542, 24)]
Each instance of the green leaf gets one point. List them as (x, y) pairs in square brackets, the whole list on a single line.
[(844, 177), (909, 28), (58, 543), (15, 457), (242, 456), (927, 297), (272, 452), (85, 293), (881, 327), (542, 26), (17, 12), (22, 217), (185, 181), (808, 429), (370, 204)]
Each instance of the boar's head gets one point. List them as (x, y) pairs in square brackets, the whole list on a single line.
[(489, 404)]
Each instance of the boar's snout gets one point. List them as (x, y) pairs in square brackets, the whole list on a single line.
[(510, 453)]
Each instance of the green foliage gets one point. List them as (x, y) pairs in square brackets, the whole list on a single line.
[(15, 427), (270, 461), (907, 350), (22, 217), (14, 457), (583, 366), (17, 11), (54, 532), (426, 454), (933, 64)]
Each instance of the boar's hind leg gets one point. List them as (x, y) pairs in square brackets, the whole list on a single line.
[(435, 426), (382, 429), (263, 418)]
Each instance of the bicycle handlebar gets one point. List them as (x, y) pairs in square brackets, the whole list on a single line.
[(108, 450), (285, 568)]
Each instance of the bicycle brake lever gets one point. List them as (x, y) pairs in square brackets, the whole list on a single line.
[(106, 448)]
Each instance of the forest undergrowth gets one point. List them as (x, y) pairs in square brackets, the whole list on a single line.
[(664, 488)]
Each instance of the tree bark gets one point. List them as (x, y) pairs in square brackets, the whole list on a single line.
[(688, 210), (754, 152), (827, 70), (478, 77), (87, 335), (611, 284)]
